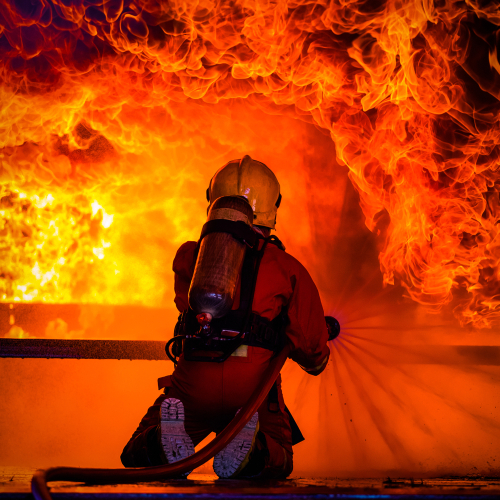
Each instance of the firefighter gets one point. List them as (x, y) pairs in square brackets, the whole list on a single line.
[(200, 396)]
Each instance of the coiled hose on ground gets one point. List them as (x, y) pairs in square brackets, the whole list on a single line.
[(120, 476)]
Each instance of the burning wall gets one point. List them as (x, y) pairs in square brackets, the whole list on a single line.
[(103, 102)]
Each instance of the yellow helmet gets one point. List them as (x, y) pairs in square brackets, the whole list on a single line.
[(252, 180)]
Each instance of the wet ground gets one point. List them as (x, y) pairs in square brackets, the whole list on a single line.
[(15, 484)]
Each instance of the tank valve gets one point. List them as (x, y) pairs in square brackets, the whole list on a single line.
[(333, 327), (204, 318)]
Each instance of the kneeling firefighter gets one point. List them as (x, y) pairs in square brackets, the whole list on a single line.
[(241, 298)]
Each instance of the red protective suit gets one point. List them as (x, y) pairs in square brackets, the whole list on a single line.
[(213, 392)]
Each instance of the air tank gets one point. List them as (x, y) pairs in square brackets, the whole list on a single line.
[(220, 260)]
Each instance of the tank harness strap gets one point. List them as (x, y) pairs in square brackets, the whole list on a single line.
[(274, 240), (247, 272), (237, 229), (267, 334)]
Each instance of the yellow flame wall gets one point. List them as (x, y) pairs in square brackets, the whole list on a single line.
[(112, 102)]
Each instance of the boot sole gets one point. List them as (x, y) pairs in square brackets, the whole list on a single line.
[(229, 461), (175, 440)]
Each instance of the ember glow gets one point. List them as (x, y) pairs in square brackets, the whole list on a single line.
[(115, 109)]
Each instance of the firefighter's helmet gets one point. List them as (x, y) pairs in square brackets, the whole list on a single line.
[(254, 181)]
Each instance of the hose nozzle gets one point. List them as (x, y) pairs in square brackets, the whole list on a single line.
[(333, 327)]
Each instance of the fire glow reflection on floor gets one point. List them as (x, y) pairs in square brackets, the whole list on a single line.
[(14, 484)]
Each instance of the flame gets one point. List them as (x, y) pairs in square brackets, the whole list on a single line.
[(115, 114), (35, 227), (16, 332)]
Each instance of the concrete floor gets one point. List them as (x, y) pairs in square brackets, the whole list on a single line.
[(15, 484)]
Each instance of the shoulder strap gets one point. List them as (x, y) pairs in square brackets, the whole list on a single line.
[(276, 241), (246, 281), (237, 229)]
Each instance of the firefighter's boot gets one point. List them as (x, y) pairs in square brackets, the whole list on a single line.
[(175, 441), (237, 459)]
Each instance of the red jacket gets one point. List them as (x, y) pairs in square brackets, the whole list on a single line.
[(282, 281)]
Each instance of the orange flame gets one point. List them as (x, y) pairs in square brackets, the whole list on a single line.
[(111, 104)]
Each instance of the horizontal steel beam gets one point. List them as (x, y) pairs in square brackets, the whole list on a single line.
[(155, 350), (82, 349)]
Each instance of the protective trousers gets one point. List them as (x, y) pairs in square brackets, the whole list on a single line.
[(212, 393)]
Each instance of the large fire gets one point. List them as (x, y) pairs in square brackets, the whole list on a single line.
[(114, 116), (115, 113)]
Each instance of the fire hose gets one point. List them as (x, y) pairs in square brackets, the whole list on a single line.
[(40, 479), (121, 476)]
